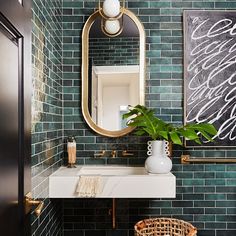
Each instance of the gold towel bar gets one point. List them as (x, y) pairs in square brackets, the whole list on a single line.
[(185, 159)]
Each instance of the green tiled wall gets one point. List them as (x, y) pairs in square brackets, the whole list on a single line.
[(47, 125), (114, 51), (205, 193)]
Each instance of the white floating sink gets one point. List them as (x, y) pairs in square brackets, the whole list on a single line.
[(118, 182)]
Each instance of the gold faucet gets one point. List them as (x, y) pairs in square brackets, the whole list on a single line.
[(100, 154), (113, 153), (125, 153)]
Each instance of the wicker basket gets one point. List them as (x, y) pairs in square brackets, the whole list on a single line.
[(164, 227)]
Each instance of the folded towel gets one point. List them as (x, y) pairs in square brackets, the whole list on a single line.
[(89, 186)]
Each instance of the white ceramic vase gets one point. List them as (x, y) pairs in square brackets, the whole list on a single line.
[(158, 162)]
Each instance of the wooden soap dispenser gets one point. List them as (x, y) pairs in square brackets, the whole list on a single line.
[(71, 149)]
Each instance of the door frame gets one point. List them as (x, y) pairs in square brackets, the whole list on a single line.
[(16, 18)]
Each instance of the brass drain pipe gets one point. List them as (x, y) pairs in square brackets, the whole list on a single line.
[(112, 213)]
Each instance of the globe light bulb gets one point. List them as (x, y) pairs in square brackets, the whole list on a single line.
[(112, 26), (111, 8)]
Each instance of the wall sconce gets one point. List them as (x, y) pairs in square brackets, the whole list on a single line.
[(111, 17)]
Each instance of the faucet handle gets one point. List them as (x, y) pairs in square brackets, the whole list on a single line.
[(100, 154), (113, 153), (125, 153)]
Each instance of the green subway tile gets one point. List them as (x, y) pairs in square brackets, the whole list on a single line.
[(231, 182), (170, 25), (225, 189), (193, 182), (231, 167), (149, 11), (137, 4), (204, 175), (171, 211), (215, 211), (171, 83), (229, 5), (215, 196), (193, 210), (214, 167), (226, 218), (160, 18), (181, 4), (160, 4), (203, 4), (171, 68), (72, 4), (215, 225), (215, 182), (85, 139), (231, 196), (169, 11), (169, 97), (227, 175), (160, 32), (204, 203), (204, 189), (95, 161), (225, 204), (184, 189), (230, 211), (160, 90), (161, 204), (214, 153), (195, 196), (172, 111)]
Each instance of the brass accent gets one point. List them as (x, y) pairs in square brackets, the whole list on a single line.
[(29, 202), (112, 212), (84, 71), (113, 153), (100, 154), (185, 159), (126, 153), (71, 165)]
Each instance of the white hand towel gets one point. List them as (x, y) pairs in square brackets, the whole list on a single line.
[(89, 186)]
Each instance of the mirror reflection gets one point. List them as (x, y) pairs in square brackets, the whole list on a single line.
[(114, 74)]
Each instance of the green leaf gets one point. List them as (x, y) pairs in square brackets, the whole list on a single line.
[(189, 134), (175, 138)]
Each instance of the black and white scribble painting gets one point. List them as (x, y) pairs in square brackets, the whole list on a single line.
[(210, 72)]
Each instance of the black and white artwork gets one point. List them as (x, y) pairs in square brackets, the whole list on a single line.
[(210, 72)]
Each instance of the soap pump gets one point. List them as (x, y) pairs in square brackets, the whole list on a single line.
[(71, 149)]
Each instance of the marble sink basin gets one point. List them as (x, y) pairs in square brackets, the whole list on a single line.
[(118, 182)]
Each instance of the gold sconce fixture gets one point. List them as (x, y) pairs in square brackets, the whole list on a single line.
[(111, 13)]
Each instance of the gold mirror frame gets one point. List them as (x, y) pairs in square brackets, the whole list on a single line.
[(85, 59)]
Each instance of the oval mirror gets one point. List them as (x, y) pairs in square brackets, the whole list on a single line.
[(113, 71)]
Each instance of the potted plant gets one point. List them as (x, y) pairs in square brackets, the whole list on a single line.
[(146, 123)]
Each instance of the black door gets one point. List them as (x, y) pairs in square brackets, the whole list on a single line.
[(15, 82)]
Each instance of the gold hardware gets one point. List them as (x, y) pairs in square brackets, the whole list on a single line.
[(185, 159), (71, 165), (113, 153), (100, 154), (125, 153), (29, 202), (112, 212)]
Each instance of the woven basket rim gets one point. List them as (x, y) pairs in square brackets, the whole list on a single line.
[(141, 225)]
